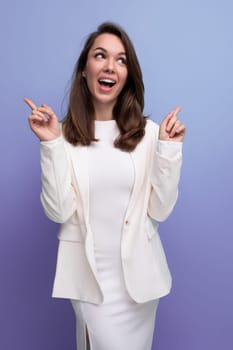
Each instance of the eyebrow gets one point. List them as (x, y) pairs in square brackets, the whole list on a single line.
[(103, 49)]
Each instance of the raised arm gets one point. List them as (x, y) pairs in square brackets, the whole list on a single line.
[(166, 167), (57, 195)]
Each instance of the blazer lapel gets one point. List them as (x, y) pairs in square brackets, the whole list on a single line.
[(79, 158)]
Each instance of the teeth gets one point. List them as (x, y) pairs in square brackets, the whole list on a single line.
[(108, 81)]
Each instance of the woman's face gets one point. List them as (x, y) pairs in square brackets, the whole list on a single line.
[(106, 69)]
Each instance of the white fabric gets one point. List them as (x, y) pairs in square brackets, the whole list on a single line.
[(111, 178), (170, 149), (119, 323), (122, 325)]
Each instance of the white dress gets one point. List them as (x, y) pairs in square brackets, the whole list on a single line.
[(119, 323)]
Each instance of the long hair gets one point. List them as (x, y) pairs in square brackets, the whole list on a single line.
[(78, 124)]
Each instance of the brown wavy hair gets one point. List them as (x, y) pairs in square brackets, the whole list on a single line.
[(78, 124)]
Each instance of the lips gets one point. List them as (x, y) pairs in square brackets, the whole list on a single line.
[(107, 82)]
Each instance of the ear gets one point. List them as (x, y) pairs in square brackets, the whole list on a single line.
[(84, 74)]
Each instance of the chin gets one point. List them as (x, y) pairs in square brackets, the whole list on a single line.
[(106, 101)]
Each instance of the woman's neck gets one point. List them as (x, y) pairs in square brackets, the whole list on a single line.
[(103, 112)]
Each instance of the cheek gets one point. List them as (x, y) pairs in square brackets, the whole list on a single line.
[(90, 70), (90, 78)]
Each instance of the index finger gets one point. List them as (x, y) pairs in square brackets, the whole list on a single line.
[(173, 113), (30, 103), (177, 110)]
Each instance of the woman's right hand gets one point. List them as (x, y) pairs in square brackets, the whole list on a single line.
[(43, 121)]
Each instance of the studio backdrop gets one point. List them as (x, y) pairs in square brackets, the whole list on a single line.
[(185, 49)]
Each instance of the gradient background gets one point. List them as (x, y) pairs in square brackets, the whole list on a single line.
[(186, 54)]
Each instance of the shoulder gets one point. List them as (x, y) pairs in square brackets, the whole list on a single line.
[(151, 128), (151, 125)]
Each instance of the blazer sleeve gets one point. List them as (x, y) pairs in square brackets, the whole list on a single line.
[(57, 195), (165, 175)]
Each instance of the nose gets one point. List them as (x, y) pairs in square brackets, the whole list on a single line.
[(110, 65)]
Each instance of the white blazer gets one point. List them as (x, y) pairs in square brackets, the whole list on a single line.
[(65, 199)]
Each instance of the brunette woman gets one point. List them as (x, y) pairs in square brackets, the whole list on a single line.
[(107, 171)]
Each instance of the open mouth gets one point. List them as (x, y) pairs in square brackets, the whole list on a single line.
[(107, 82)]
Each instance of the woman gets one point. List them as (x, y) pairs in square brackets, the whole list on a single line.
[(105, 174)]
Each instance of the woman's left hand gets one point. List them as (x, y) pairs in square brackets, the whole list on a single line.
[(171, 129)]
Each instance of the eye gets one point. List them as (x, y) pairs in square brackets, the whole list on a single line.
[(99, 55), (122, 60)]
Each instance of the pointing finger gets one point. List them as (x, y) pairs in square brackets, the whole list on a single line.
[(172, 114), (177, 110), (30, 103), (171, 118)]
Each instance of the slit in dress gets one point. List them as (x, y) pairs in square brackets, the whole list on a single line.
[(87, 339)]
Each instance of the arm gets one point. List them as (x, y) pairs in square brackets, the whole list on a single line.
[(164, 179), (58, 195), (167, 160)]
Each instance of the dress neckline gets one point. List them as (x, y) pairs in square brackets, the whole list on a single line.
[(110, 121), (106, 130)]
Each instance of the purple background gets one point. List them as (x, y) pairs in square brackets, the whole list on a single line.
[(186, 53)]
